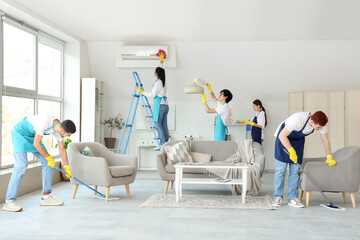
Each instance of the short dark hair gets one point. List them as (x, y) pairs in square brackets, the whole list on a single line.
[(319, 118), (68, 126), (227, 94)]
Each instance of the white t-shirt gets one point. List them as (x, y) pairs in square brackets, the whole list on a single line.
[(157, 90), (260, 121), (224, 111), (296, 122), (43, 122)]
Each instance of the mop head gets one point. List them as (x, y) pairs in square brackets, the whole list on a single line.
[(104, 198), (332, 207)]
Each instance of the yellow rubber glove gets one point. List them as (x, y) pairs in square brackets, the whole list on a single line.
[(242, 121), (209, 87), (139, 90), (68, 171), (51, 162), (203, 97), (330, 161), (250, 123), (293, 156)]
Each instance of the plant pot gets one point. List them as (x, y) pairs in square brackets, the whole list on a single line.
[(110, 142)]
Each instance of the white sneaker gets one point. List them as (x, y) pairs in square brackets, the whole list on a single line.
[(157, 149), (295, 202), (277, 202), (11, 206), (50, 201)]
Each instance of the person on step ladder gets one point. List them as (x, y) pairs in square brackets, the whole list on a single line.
[(289, 149), (26, 137), (161, 107)]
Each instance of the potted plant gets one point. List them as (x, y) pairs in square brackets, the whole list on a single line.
[(66, 143), (113, 123)]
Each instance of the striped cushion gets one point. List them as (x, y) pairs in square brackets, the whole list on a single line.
[(179, 152)]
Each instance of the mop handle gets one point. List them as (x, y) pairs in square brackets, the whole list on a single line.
[(315, 184), (311, 180), (56, 167)]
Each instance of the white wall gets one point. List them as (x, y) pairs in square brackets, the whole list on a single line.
[(267, 70)]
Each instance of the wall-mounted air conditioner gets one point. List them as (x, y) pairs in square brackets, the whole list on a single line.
[(141, 52), (130, 55)]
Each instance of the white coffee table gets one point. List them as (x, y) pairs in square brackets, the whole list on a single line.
[(180, 180)]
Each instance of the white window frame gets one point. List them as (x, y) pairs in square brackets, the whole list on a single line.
[(40, 37)]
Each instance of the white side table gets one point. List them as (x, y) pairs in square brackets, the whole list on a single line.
[(179, 180)]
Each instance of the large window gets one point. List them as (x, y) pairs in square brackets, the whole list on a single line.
[(19, 58), (31, 82), (50, 67)]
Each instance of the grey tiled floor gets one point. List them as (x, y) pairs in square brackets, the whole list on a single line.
[(90, 218)]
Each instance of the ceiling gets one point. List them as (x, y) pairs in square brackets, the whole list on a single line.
[(205, 20)]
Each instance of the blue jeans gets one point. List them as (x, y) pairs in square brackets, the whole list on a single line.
[(293, 180), (20, 167), (161, 124)]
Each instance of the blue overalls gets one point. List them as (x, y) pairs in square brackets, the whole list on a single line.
[(220, 129), (256, 131), (23, 137), (157, 103), (297, 141), (160, 118)]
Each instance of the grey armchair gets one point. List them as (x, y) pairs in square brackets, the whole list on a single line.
[(343, 177), (106, 169)]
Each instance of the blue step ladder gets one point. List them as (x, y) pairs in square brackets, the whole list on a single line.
[(148, 111)]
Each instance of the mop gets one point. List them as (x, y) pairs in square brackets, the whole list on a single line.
[(101, 196), (330, 205)]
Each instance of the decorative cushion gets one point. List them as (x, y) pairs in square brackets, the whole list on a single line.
[(121, 171), (200, 157), (87, 152), (179, 152)]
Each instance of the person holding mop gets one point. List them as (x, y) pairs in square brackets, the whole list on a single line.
[(289, 149), (222, 110), (26, 137)]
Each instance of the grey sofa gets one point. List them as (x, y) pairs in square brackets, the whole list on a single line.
[(106, 169), (343, 177), (219, 150)]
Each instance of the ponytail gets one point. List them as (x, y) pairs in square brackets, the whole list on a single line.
[(161, 74), (262, 107)]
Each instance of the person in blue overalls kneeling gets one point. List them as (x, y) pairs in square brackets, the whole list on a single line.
[(222, 110), (26, 137), (289, 149)]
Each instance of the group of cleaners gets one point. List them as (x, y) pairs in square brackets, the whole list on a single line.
[(289, 144)]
